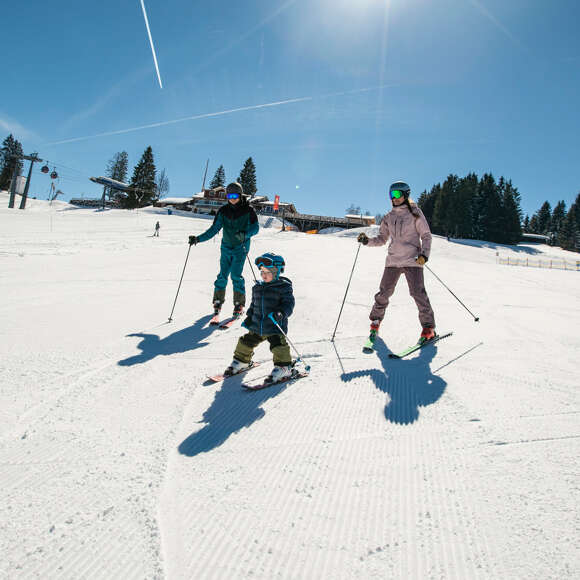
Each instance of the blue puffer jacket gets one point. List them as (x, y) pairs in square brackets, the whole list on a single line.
[(275, 296)]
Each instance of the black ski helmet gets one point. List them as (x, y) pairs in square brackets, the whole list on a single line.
[(235, 187), (401, 186)]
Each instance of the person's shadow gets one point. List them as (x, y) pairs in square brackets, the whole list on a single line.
[(183, 340), (232, 409), (409, 383)]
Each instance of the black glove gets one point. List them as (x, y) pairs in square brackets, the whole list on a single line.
[(192, 240), (246, 323), (363, 239), (279, 316)]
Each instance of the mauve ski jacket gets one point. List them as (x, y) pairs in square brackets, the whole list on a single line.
[(409, 233)]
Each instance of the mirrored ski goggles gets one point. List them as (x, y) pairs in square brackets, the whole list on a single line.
[(396, 194), (233, 196), (264, 262)]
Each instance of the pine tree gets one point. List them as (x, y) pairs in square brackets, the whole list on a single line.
[(570, 230), (143, 189), (219, 179), (117, 168), (487, 210), (558, 217), (10, 148), (512, 214), (427, 202), (526, 225), (544, 218), (247, 178), (443, 219)]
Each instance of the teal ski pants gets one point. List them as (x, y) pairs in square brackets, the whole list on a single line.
[(232, 264)]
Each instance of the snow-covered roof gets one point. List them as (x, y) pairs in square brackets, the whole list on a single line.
[(273, 202), (175, 200), (360, 217)]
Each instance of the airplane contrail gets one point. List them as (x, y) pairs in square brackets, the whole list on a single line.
[(499, 25), (192, 118), (151, 42)]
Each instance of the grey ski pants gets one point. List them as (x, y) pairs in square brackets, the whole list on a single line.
[(417, 290)]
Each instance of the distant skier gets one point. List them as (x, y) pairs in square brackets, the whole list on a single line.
[(408, 251), (156, 234), (273, 296), (239, 222)]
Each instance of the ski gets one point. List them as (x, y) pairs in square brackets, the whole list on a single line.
[(228, 323), (419, 345), (292, 378), (215, 320), (222, 377)]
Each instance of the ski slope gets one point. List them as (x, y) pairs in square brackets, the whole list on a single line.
[(118, 462)]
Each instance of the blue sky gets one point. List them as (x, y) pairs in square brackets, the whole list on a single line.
[(379, 91)]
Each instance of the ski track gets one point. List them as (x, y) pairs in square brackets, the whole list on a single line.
[(267, 539)]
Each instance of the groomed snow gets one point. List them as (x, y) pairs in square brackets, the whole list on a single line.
[(118, 462)]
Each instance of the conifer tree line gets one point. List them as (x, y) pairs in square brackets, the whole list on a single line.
[(486, 209), (9, 153), (247, 178)]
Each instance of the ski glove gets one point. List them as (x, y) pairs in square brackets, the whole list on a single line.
[(277, 316), (363, 239), (421, 260), (192, 240), (246, 323)]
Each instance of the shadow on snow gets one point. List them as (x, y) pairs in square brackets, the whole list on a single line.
[(232, 409), (409, 383), (183, 340)]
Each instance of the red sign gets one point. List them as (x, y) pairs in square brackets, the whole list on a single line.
[(276, 202)]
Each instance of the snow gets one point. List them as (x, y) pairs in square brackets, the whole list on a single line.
[(118, 462)]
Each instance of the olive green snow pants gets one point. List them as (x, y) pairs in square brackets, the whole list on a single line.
[(278, 346)]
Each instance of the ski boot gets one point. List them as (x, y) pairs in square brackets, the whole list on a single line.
[(235, 367), (428, 333), (278, 374), (217, 306), (370, 343), (238, 310)]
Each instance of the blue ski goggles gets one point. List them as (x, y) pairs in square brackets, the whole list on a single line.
[(233, 196)]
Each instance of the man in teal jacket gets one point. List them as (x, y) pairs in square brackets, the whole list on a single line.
[(239, 222)]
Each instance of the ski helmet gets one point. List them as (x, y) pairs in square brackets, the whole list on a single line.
[(272, 262), (399, 189), (235, 187)]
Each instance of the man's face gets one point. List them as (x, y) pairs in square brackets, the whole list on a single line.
[(233, 198)]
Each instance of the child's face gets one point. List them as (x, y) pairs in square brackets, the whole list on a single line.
[(267, 276)]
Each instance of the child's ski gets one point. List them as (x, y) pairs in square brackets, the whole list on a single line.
[(419, 345), (215, 319), (220, 378), (293, 377)]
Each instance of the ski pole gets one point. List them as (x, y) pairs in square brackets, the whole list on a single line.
[(347, 287), (251, 268), (175, 301), (271, 317), (475, 318)]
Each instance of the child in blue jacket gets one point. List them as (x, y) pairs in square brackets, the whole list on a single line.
[(272, 296)]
